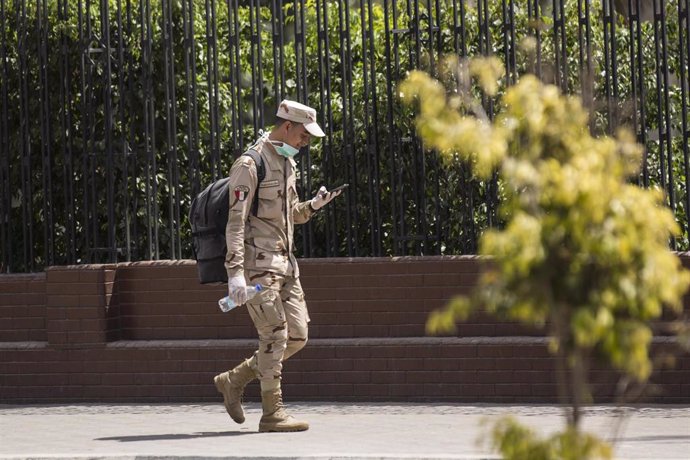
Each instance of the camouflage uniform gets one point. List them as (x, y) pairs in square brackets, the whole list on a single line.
[(261, 247)]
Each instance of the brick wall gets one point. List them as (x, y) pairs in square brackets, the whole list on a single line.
[(22, 308), (149, 331)]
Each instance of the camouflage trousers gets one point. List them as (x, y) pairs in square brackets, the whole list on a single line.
[(281, 319)]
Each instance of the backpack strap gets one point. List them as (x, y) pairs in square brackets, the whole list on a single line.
[(260, 173)]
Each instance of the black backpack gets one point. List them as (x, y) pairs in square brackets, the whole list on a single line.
[(208, 217)]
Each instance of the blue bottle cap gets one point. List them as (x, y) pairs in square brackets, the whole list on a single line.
[(259, 288)]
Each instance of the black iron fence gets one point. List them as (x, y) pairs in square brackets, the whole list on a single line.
[(115, 113)]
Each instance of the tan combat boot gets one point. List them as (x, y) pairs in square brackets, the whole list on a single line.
[(275, 417), (231, 384)]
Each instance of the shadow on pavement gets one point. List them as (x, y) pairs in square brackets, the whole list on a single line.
[(161, 437)]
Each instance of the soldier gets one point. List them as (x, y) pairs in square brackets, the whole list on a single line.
[(260, 252)]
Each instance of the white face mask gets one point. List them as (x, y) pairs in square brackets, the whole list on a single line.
[(284, 149)]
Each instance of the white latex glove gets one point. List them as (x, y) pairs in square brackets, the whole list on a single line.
[(237, 289), (323, 197)]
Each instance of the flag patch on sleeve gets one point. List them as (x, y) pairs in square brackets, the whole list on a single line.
[(241, 192)]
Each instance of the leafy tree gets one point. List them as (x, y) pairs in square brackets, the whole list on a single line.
[(583, 251)]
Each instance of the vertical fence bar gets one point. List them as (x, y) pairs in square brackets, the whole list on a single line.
[(509, 60), (485, 49), (121, 159), (534, 15), (409, 36), (560, 46), (371, 118), (420, 158), (401, 34), (44, 122), (235, 80), (638, 84), (392, 130), (667, 109), (129, 179), (108, 117), (5, 197), (171, 132), (255, 53), (192, 116), (149, 134), (428, 161), (306, 159), (302, 90), (212, 82), (301, 51), (92, 184), (610, 67), (435, 38), (94, 52), (459, 30), (84, 123), (259, 109), (277, 21), (346, 89), (584, 39), (464, 174), (684, 59), (326, 115), (66, 136), (663, 113), (25, 142)]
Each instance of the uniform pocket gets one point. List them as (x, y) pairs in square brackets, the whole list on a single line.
[(270, 202), (266, 309), (269, 254)]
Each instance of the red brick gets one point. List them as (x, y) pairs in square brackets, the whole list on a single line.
[(91, 276), (422, 376), (38, 335), (85, 337), (353, 352), (441, 364), (387, 377), (56, 337), (95, 325), (460, 376), (330, 331), (91, 379), (85, 313), (63, 300), (367, 391), (405, 330), (404, 390), (359, 318), (372, 364), (462, 351), (335, 390), (13, 335), (61, 275)]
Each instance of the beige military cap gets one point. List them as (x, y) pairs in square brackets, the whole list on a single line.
[(300, 113)]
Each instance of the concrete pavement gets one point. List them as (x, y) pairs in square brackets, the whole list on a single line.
[(338, 431)]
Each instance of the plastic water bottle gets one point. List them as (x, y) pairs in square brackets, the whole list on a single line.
[(226, 303)]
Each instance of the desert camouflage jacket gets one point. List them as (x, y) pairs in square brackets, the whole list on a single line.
[(264, 242)]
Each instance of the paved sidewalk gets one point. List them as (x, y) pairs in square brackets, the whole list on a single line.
[(338, 431)]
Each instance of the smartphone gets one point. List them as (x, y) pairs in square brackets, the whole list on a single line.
[(339, 188)]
